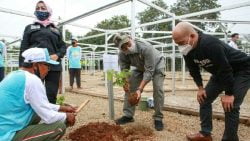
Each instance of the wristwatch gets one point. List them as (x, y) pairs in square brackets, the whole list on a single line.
[(141, 90)]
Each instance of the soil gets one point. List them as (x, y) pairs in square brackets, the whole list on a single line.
[(176, 125), (132, 99), (102, 131)]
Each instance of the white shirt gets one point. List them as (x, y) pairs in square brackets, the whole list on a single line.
[(233, 44), (35, 95)]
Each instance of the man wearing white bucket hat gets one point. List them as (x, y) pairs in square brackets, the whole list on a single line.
[(24, 102)]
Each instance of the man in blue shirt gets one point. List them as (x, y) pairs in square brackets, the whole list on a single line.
[(74, 57), (2, 54)]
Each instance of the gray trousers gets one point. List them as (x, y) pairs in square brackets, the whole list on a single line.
[(158, 93), (213, 89)]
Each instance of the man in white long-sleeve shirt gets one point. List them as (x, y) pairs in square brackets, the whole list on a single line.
[(24, 103)]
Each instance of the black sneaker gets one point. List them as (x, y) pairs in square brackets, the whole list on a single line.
[(124, 120), (158, 125)]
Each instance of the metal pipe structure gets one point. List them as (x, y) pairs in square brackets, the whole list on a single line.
[(158, 38), (215, 21), (133, 28), (88, 27), (173, 59), (63, 66), (183, 70), (106, 52), (92, 36), (15, 41), (9, 36), (243, 4), (196, 27), (157, 7), (116, 3), (20, 13), (9, 11), (133, 19)]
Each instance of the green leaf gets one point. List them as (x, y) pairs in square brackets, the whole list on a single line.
[(60, 100), (121, 77)]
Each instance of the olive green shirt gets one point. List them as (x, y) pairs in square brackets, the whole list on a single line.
[(146, 59)]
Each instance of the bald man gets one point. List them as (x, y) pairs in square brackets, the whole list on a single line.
[(230, 71)]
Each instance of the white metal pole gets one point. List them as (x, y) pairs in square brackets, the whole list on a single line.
[(93, 63), (133, 19), (91, 66), (106, 52), (63, 66), (99, 68), (85, 64), (183, 71), (225, 37), (173, 59)]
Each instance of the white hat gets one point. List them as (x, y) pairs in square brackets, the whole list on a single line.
[(74, 38), (38, 55)]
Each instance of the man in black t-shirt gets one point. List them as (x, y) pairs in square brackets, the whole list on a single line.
[(230, 71)]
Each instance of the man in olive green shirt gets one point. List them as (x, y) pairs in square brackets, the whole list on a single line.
[(147, 64)]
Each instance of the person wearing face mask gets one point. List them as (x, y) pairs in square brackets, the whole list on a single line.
[(44, 34), (25, 112), (230, 71), (74, 57), (148, 64)]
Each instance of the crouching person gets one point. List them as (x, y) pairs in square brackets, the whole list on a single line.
[(24, 103)]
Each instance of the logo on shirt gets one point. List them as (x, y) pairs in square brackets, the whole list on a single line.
[(35, 27), (203, 63)]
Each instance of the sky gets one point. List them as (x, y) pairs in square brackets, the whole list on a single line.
[(14, 25)]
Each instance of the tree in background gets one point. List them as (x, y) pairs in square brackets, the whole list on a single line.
[(68, 35), (116, 22), (151, 14), (182, 7)]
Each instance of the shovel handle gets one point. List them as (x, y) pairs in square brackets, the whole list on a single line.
[(82, 105)]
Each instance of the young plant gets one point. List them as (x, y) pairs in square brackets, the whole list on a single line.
[(60, 100), (121, 77)]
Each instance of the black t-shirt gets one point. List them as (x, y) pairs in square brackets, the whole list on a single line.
[(218, 58)]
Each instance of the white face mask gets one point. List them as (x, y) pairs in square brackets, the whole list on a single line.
[(185, 49), (132, 49)]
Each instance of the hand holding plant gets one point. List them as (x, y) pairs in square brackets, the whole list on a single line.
[(122, 79)]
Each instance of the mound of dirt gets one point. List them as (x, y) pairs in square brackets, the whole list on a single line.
[(102, 131)]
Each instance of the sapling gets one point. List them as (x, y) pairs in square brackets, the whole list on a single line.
[(60, 100), (122, 80)]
